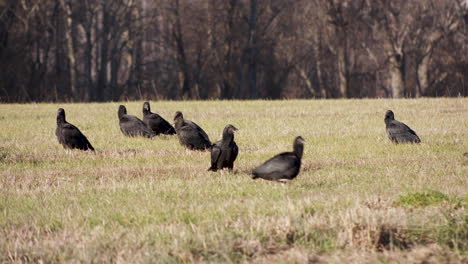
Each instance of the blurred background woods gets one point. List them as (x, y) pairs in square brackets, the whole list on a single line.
[(100, 50)]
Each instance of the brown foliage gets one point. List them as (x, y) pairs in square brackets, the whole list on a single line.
[(69, 50)]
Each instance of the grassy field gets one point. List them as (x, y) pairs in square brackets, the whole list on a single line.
[(358, 199)]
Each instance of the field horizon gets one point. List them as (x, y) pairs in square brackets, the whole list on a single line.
[(358, 199)]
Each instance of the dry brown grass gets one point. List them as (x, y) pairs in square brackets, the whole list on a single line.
[(358, 199)]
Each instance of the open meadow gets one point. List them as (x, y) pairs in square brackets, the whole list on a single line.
[(358, 198)]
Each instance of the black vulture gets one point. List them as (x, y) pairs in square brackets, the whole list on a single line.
[(224, 152), (69, 135), (155, 122), (190, 134), (132, 126), (282, 167), (397, 131)]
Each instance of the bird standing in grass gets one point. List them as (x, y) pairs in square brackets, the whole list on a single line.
[(69, 135), (132, 126), (284, 166), (155, 122), (224, 152), (190, 134), (397, 131)]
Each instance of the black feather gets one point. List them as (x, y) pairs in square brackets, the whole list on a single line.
[(284, 166), (399, 132), (132, 126), (190, 134), (69, 135), (155, 122), (224, 152)]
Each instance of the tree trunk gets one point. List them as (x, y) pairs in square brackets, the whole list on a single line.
[(102, 75), (397, 73), (252, 50), (138, 66), (88, 63), (70, 51), (343, 70), (240, 93), (114, 81), (423, 65), (182, 58), (338, 21), (102, 82), (227, 70), (318, 63), (394, 42), (423, 76), (303, 75), (396, 63), (61, 91), (140, 48)]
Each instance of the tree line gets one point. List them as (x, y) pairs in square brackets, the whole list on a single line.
[(100, 50)]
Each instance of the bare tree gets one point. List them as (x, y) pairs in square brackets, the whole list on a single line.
[(69, 50), (439, 19)]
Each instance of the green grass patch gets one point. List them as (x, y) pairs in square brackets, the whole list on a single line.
[(421, 199)]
